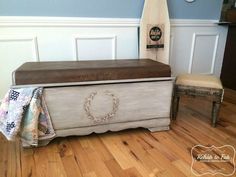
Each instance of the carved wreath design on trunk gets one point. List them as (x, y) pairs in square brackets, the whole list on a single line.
[(109, 115)]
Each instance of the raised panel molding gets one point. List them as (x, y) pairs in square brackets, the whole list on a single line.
[(188, 38), (15, 50), (33, 39), (193, 51), (100, 38)]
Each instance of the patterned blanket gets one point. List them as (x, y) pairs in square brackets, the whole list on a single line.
[(23, 112)]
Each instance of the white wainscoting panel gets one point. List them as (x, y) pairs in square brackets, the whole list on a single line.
[(200, 60), (95, 47), (197, 46), (25, 39), (15, 50)]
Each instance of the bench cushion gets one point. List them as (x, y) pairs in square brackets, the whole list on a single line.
[(199, 80), (78, 71)]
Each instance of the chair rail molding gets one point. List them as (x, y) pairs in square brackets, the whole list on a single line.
[(25, 21), (192, 22), (197, 46)]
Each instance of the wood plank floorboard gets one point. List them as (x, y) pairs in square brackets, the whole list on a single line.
[(129, 153)]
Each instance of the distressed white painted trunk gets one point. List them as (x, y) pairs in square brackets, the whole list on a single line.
[(138, 104)]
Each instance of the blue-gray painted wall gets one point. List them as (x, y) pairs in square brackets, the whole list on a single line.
[(73, 8), (200, 9)]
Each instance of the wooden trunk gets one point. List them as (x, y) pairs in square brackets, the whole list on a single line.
[(83, 107)]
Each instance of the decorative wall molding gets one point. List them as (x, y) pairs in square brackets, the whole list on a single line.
[(15, 50), (197, 46), (193, 23), (18, 38), (96, 37), (195, 35), (21, 21)]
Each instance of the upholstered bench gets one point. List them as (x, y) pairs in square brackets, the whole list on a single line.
[(198, 85)]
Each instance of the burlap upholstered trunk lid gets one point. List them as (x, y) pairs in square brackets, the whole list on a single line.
[(77, 71)]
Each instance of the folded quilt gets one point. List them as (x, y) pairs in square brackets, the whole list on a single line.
[(24, 112)]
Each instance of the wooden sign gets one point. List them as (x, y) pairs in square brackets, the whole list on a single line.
[(155, 36), (155, 44)]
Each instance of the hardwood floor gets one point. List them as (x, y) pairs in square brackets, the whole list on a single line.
[(130, 153)]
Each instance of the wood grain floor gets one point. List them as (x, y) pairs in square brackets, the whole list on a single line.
[(130, 153)]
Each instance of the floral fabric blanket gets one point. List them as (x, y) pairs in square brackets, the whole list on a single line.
[(23, 112)]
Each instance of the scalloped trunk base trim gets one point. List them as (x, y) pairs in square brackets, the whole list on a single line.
[(153, 125)]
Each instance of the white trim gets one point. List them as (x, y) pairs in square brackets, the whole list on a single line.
[(36, 48), (214, 54), (95, 82), (22, 21), (171, 46), (88, 37), (193, 23), (192, 53), (33, 39), (193, 50)]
